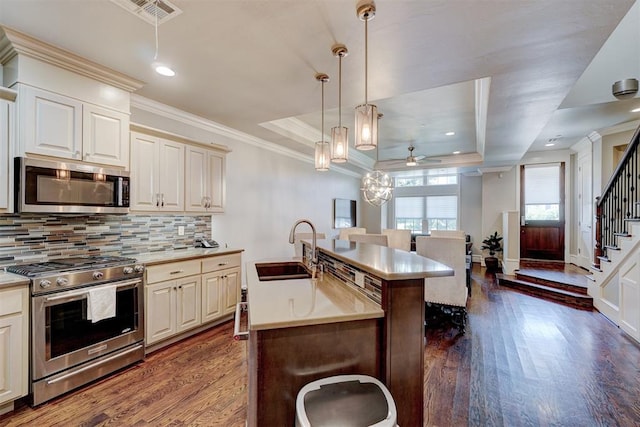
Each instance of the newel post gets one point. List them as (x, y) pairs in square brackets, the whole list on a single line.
[(598, 242)]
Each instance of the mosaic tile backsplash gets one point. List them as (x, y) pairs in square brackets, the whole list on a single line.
[(34, 238), (347, 274)]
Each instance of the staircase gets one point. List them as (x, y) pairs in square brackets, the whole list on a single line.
[(556, 290), (615, 286)]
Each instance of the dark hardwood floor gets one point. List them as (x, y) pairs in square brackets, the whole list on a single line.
[(522, 362)]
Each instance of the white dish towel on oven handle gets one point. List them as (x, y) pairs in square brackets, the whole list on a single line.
[(101, 303)]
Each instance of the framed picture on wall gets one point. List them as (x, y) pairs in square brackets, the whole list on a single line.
[(344, 213)]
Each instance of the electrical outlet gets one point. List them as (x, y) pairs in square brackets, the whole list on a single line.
[(360, 279), (181, 230)]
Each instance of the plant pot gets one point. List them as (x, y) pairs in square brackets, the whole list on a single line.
[(492, 263)]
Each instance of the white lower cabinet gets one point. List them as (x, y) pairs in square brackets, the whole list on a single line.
[(14, 350), (182, 295)]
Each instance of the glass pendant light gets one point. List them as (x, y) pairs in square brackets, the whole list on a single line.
[(339, 134), (366, 114), (322, 156), (377, 188)]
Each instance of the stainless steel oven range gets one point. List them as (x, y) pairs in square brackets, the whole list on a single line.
[(72, 343)]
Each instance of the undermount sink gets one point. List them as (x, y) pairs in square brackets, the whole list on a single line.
[(281, 271)]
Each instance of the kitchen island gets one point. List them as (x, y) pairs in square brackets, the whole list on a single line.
[(302, 331)]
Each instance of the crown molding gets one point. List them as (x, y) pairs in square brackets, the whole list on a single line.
[(189, 119), (299, 131), (622, 127), (15, 43)]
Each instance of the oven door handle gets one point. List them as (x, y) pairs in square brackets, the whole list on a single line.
[(86, 291)]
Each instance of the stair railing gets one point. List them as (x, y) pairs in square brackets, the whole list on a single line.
[(618, 202)]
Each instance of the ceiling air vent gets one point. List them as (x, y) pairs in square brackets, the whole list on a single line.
[(147, 9)]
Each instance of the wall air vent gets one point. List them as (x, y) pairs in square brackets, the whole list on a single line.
[(147, 9)]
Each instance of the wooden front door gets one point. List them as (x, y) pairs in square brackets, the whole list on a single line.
[(542, 211)]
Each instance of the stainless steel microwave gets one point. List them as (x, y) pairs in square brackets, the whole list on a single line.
[(62, 187)]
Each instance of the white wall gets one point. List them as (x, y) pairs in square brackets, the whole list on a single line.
[(471, 209), (498, 195), (266, 192), (609, 142)]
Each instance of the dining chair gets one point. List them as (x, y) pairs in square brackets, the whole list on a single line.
[(398, 239), (345, 232), (372, 239)]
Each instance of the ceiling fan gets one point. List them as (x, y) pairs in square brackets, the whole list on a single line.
[(411, 160)]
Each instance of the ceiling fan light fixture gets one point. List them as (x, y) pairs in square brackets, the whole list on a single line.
[(411, 161), (366, 114), (450, 133), (322, 151)]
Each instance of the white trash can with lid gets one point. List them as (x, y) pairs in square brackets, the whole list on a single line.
[(345, 401)]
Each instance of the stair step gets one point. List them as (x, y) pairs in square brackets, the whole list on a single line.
[(571, 299), (604, 258), (623, 234), (594, 268), (632, 219), (590, 277), (613, 248), (569, 287)]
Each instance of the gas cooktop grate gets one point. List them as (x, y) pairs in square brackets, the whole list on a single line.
[(69, 264)]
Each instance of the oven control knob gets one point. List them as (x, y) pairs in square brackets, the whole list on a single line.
[(98, 275), (139, 268), (61, 281), (45, 283), (127, 270)]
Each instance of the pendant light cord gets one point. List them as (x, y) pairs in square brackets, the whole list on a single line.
[(366, 58), (322, 129), (156, 55), (340, 91)]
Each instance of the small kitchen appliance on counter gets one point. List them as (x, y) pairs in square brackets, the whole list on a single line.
[(69, 346)]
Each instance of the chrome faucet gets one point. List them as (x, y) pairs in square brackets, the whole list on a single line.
[(314, 254)]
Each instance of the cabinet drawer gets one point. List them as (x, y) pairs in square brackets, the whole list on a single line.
[(220, 262), (11, 302), (173, 270)]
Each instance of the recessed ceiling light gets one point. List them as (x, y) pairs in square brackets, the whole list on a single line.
[(549, 144), (165, 71), (636, 110), (450, 133), (456, 152)]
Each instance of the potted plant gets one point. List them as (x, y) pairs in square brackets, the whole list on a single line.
[(494, 244)]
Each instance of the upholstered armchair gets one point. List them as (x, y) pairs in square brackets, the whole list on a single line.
[(445, 295), (398, 239), (346, 232)]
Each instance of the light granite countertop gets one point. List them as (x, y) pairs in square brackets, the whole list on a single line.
[(299, 302), (153, 258), (384, 262), (10, 279)]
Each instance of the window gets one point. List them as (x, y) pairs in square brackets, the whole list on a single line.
[(439, 212), (542, 192), (419, 181)]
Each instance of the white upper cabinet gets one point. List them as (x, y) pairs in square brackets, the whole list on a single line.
[(60, 126), (157, 174), (105, 136), (7, 134), (205, 180)]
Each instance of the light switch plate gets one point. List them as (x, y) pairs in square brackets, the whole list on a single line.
[(181, 230)]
